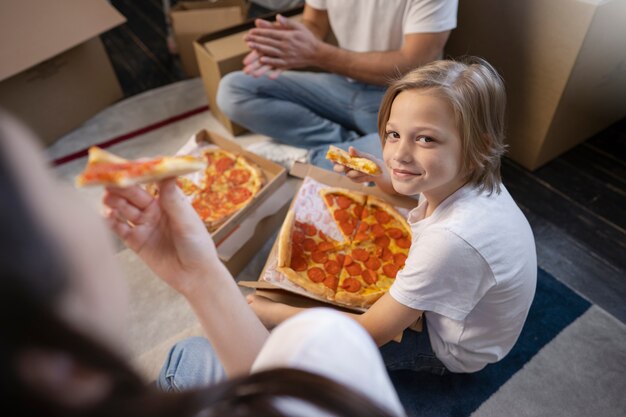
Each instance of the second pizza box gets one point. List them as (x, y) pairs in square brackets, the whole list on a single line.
[(240, 237), (312, 174)]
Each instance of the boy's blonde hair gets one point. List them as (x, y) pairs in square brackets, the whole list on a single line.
[(476, 93)]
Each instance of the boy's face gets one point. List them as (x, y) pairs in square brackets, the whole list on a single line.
[(423, 146)]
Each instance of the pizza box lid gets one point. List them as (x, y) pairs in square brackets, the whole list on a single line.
[(275, 176)]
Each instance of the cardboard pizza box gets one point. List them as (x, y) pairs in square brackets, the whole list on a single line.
[(219, 53), (240, 237), (332, 179)]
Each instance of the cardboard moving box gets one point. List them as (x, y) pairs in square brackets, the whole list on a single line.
[(220, 53), (54, 70), (563, 63), (192, 19)]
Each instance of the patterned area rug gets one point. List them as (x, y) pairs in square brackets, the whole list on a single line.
[(569, 361)]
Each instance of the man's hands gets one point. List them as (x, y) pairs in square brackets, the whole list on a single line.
[(165, 232), (279, 46)]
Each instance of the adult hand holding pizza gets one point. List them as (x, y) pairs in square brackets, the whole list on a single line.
[(169, 236), (165, 232)]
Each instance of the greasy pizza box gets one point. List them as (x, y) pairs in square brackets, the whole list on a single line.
[(331, 179), (275, 176), (219, 53)]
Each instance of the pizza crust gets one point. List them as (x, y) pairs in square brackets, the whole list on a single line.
[(356, 299)]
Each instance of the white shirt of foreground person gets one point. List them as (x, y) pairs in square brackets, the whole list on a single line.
[(472, 268), (380, 25), (328, 343)]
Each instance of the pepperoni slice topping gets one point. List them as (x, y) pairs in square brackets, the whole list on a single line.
[(360, 254), (239, 195), (347, 260), (325, 246), (390, 270), (297, 237), (332, 267), (346, 227), (365, 213), (239, 176), (399, 259), (394, 233), (373, 263), (316, 274), (360, 236), (341, 258), (385, 254), (382, 217), (331, 281), (351, 285), (341, 216), (369, 277), (310, 230), (322, 235), (363, 227), (343, 201), (298, 263), (319, 256), (354, 269), (382, 241), (358, 211), (223, 164), (403, 243), (378, 230), (329, 199), (309, 245)]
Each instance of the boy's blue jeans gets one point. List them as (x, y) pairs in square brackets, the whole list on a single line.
[(192, 362), (303, 109)]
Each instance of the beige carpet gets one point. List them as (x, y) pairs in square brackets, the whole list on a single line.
[(158, 315)]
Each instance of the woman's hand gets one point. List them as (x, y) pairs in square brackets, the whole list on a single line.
[(383, 181), (165, 232)]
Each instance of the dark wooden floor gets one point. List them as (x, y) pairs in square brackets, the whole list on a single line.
[(576, 204)]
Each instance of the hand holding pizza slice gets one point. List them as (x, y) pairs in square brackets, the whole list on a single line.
[(353, 161)]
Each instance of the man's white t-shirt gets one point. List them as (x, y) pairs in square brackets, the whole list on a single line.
[(328, 343), (380, 25), (472, 268)]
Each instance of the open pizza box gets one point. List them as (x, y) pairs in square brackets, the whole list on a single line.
[(240, 237), (271, 283)]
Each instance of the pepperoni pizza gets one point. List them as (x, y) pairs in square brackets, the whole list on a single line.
[(358, 271)]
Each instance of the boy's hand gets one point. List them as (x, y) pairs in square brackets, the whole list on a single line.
[(270, 312), (383, 181), (165, 232)]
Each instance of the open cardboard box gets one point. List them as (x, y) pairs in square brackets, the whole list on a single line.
[(331, 179), (54, 70), (563, 66), (192, 19), (220, 53), (240, 237)]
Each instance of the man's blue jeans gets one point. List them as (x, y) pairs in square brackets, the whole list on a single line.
[(303, 109)]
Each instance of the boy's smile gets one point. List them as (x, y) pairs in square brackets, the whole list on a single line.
[(423, 146)]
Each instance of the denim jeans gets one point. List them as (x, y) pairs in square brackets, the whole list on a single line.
[(191, 363), (413, 353), (303, 109)]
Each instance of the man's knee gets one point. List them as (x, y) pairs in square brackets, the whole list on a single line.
[(231, 90)]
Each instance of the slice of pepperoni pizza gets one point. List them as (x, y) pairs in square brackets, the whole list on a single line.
[(309, 258), (104, 168), (345, 207), (357, 283)]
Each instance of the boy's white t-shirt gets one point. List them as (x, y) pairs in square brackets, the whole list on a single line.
[(380, 25), (328, 343), (472, 268)]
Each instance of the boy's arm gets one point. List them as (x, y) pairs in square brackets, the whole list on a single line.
[(384, 320)]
